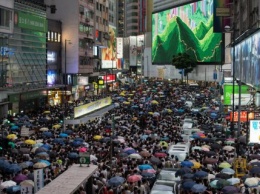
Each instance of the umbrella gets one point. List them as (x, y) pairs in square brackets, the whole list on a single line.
[(255, 170), (46, 112), (255, 164), (63, 135), (223, 176), (58, 141), (27, 183), (147, 175), (155, 160), (26, 164), (224, 165), (11, 144), (182, 171), (123, 155), (145, 167), (105, 139), (40, 150), (188, 176), (136, 156), (116, 181), (222, 183), (188, 185), (69, 132), (200, 174), (150, 171), (132, 151), (213, 184), (39, 165), (187, 164), (134, 178), (229, 171), (45, 162), (215, 146), (198, 188), (97, 137), (47, 134), (76, 143), (160, 154), (230, 189), (82, 149), (11, 136), (37, 145), (73, 155), (252, 182), (19, 178), (29, 142), (13, 189), (154, 102), (228, 148), (233, 181), (12, 168), (210, 161), (145, 153), (14, 128), (57, 126), (209, 153), (44, 129), (7, 184), (196, 165), (79, 139), (254, 156), (46, 146)]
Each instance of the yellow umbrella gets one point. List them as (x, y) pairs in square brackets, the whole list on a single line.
[(122, 94), (97, 137), (11, 136), (196, 164), (30, 142), (126, 103), (163, 143), (47, 112), (56, 126), (44, 129), (150, 113), (154, 102), (134, 118), (169, 110)]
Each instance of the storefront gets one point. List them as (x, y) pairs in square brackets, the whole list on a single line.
[(26, 102)]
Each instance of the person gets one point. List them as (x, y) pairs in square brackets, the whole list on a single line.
[(82, 190)]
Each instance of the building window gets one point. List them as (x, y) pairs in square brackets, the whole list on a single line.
[(49, 36), (5, 18), (53, 36), (97, 6)]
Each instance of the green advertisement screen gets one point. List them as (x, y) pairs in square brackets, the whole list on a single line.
[(30, 21), (188, 28), (228, 92)]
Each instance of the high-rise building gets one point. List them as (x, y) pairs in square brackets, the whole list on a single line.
[(120, 19)]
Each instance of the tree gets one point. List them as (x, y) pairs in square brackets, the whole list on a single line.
[(184, 62)]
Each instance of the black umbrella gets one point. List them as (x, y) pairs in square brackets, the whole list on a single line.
[(254, 156), (223, 176), (24, 150), (255, 170), (215, 146), (182, 171), (210, 153), (155, 160), (39, 150)]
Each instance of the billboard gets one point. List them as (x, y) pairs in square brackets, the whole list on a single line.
[(221, 15), (247, 60), (109, 54), (133, 51), (228, 94), (188, 28), (244, 116), (254, 134), (92, 106)]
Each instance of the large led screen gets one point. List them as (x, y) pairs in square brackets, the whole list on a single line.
[(247, 60), (189, 29)]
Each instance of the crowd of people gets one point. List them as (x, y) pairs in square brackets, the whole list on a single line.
[(130, 144)]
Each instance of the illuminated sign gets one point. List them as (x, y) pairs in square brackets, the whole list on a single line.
[(109, 78), (228, 94), (243, 116), (51, 57), (90, 107), (254, 135), (119, 48), (186, 29)]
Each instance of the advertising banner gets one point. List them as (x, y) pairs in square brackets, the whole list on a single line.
[(254, 135), (90, 107), (30, 21), (133, 51), (221, 15), (38, 180), (119, 48), (243, 116), (228, 94)]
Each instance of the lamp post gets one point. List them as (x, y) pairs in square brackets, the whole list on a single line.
[(65, 81)]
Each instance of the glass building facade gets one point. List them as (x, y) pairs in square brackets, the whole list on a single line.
[(26, 48)]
